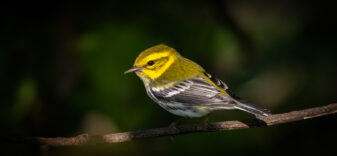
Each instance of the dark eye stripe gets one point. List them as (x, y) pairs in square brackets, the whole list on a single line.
[(150, 63)]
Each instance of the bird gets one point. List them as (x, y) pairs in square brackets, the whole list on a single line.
[(184, 88)]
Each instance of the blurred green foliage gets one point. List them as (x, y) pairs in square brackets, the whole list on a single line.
[(61, 70)]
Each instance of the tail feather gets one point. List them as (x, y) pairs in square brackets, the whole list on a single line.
[(253, 109)]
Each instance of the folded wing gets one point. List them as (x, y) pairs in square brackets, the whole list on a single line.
[(194, 91)]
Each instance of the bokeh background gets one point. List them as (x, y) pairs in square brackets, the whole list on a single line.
[(62, 64)]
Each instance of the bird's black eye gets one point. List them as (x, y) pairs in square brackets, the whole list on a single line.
[(150, 63)]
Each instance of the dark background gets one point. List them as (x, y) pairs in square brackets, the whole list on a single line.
[(62, 64)]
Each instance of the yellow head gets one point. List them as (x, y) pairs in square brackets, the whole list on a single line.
[(153, 62)]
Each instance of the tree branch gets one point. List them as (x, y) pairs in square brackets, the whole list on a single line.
[(183, 129)]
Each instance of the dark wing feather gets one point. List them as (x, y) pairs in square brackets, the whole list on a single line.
[(194, 91)]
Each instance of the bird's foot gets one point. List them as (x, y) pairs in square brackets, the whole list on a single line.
[(173, 125), (206, 120)]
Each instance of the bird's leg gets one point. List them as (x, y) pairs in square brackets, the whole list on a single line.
[(206, 120), (174, 123)]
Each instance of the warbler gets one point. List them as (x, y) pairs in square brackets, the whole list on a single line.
[(184, 88)]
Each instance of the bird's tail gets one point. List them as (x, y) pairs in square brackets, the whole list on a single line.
[(253, 109)]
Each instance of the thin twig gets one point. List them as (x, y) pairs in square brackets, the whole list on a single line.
[(183, 129)]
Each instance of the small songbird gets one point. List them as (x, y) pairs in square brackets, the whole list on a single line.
[(184, 88)]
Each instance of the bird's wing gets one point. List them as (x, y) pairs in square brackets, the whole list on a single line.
[(194, 91)]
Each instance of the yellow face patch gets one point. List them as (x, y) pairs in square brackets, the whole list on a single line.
[(154, 56), (162, 61)]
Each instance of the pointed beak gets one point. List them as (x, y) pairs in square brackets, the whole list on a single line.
[(134, 69)]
